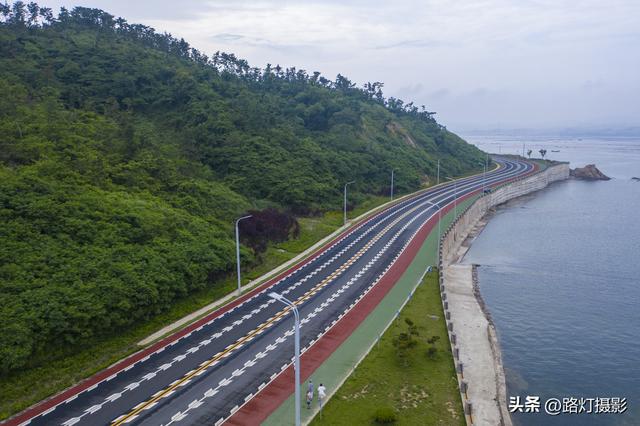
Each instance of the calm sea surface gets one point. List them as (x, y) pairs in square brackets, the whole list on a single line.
[(561, 276)]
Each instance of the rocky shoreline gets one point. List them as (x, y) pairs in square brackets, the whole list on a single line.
[(588, 172)]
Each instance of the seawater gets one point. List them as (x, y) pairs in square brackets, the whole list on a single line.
[(560, 274)]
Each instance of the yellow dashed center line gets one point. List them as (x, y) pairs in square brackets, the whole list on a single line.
[(180, 382)]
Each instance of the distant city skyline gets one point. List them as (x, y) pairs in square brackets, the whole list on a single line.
[(481, 64)]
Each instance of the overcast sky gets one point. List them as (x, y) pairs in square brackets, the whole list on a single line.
[(481, 64)]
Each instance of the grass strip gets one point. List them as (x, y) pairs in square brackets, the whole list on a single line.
[(418, 388)]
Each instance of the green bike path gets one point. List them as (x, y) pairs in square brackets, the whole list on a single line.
[(341, 363)]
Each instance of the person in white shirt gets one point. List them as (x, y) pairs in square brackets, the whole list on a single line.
[(322, 393)]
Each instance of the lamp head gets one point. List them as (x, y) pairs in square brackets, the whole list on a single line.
[(275, 296)]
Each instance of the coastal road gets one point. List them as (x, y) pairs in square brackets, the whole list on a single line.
[(201, 375)]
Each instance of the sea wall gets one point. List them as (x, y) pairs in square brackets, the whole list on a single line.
[(471, 333), (452, 239)]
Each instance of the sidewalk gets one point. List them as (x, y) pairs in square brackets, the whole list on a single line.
[(474, 341)]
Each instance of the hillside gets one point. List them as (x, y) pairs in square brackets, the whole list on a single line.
[(125, 155)]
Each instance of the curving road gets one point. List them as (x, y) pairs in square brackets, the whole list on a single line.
[(203, 376)]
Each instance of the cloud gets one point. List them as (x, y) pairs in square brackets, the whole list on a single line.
[(420, 44), (133, 11), (439, 94), (241, 39), (476, 62), (595, 84), (411, 91)]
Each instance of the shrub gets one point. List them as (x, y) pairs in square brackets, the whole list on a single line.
[(385, 415), (268, 225)]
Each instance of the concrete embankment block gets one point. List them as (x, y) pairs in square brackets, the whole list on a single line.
[(474, 344)]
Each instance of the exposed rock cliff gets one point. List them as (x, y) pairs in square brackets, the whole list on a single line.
[(589, 172)]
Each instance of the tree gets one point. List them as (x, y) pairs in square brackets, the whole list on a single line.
[(5, 11), (343, 84), (405, 341), (47, 15), (543, 152), (33, 10), (125, 162), (529, 152), (18, 13), (432, 350)]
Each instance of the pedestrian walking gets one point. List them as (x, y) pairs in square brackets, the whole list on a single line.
[(322, 393), (309, 399)]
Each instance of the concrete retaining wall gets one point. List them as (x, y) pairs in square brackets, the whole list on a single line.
[(451, 251)]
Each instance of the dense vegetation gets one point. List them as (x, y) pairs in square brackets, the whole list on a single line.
[(126, 154)]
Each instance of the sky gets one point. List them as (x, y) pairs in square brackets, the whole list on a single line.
[(480, 64)]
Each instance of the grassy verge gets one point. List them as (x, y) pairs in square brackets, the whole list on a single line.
[(420, 389), (55, 372)]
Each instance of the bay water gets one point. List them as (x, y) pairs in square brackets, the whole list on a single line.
[(560, 273)]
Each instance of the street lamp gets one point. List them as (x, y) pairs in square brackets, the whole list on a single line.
[(486, 168), (345, 200), (392, 170), (238, 248), (433, 203), (438, 181), (455, 201), (484, 175), (296, 362)]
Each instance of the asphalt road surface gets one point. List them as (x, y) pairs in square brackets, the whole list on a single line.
[(205, 375)]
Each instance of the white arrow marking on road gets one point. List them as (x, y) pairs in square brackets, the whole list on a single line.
[(113, 397)]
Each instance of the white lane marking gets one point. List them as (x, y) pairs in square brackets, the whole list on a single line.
[(93, 408), (396, 209), (195, 404), (211, 392), (178, 416), (113, 397), (248, 397), (132, 386)]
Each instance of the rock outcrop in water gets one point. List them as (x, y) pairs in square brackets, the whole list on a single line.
[(589, 172)]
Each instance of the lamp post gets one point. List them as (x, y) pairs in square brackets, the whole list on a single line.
[(484, 175), (296, 362), (486, 167), (455, 201), (345, 200), (433, 203), (392, 170), (438, 178), (238, 248)]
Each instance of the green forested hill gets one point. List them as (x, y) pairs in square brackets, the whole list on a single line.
[(125, 155)]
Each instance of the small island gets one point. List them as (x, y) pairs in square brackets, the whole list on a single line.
[(589, 172)]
